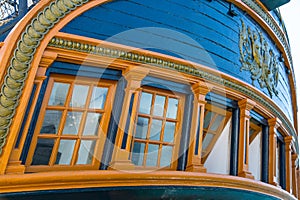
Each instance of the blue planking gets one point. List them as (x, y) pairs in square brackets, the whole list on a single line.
[(195, 30)]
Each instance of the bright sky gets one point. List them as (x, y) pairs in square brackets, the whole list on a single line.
[(291, 15)]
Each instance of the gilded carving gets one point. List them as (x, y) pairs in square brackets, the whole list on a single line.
[(258, 58), (20, 63), (18, 68)]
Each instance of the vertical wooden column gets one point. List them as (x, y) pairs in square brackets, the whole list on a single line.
[(14, 164), (273, 125), (245, 106), (194, 163), (294, 175), (288, 162), (120, 158)]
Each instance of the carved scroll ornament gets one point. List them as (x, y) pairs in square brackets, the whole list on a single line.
[(258, 58)]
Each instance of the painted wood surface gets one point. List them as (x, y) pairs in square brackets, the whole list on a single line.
[(200, 31)]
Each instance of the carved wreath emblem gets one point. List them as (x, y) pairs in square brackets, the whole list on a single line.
[(259, 59)]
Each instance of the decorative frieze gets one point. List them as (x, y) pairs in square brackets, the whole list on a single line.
[(20, 64), (165, 63)]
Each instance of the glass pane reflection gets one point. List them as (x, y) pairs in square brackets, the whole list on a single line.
[(166, 156), (145, 103), (98, 98), (51, 122), (58, 94), (92, 123), (172, 108), (159, 105), (43, 152), (141, 127), (155, 129), (86, 152), (72, 123), (207, 140), (65, 152), (207, 119), (79, 96), (217, 123), (152, 155), (169, 132), (138, 153)]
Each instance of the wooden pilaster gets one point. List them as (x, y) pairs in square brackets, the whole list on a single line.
[(273, 125), (288, 162), (245, 106), (294, 175), (14, 164), (194, 158), (120, 158)]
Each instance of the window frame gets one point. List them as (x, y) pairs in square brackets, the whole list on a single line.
[(100, 138), (218, 111), (177, 130), (256, 128)]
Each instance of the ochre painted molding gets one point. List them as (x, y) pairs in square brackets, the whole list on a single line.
[(20, 62), (68, 44), (93, 179)]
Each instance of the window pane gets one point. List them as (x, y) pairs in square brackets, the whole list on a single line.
[(166, 156), (51, 122), (141, 127), (58, 94), (72, 123), (155, 129), (207, 140), (92, 124), (169, 132), (145, 103), (152, 155), (43, 152), (79, 96), (217, 123), (65, 152), (98, 98), (251, 132), (207, 119), (159, 105), (138, 153), (172, 108), (86, 152)]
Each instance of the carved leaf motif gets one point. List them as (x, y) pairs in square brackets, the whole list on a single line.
[(258, 58)]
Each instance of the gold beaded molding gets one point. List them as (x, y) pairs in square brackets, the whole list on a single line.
[(167, 64), (19, 66)]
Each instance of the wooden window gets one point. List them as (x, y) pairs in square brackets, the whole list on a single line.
[(255, 150), (280, 161), (72, 124), (157, 129), (215, 120), (254, 131)]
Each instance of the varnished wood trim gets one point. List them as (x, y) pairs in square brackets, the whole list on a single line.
[(93, 179), (186, 78)]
